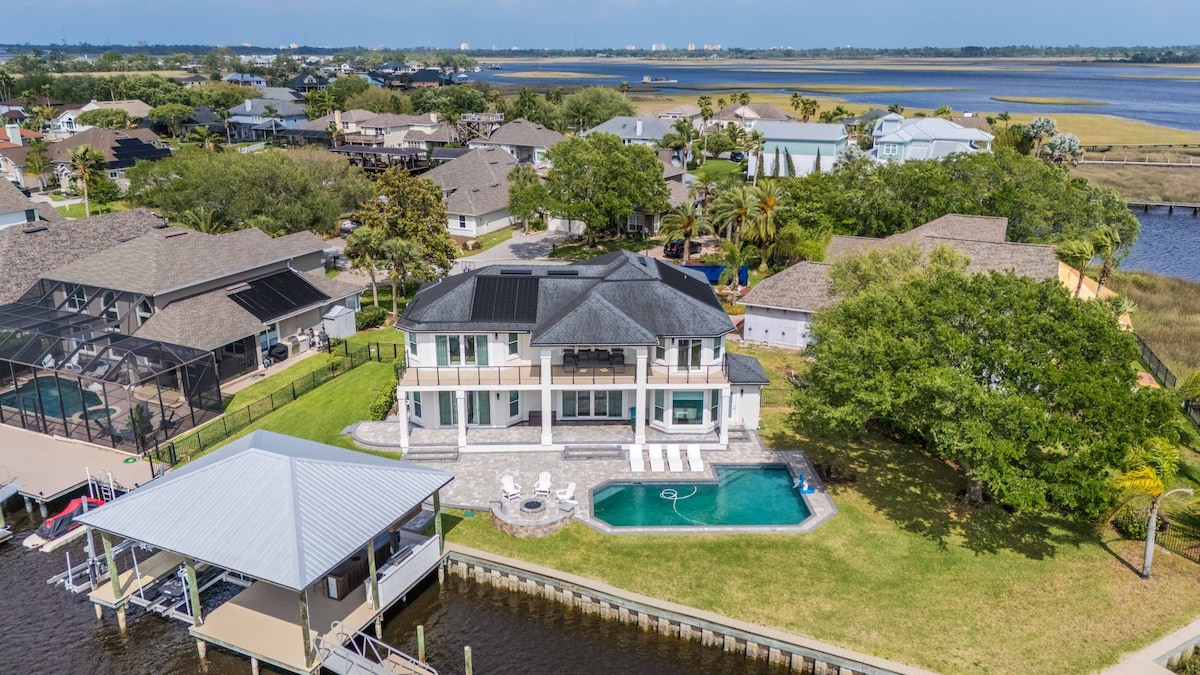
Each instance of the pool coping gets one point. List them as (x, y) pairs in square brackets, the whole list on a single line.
[(820, 505)]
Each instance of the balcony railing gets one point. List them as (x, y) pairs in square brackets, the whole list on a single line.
[(482, 376), (439, 376), (672, 374)]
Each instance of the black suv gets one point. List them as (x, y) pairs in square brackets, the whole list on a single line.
[(674, 248)]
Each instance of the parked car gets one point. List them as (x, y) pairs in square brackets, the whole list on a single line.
[(737, 156), (24, 191), (674, 248), (349, 226)]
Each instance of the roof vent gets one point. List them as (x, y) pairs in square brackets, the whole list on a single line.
[(556, 272), (34, 228), (517, 271)]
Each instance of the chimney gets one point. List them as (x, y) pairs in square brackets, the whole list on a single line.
[(337, 118), (248, 106), (14, 133), (637, 129)]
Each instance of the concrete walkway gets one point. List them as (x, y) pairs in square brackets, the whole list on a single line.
[(520, 248), (234, 386), (1144, 661)]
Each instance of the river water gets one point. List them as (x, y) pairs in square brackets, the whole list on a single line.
[(1169, 244)]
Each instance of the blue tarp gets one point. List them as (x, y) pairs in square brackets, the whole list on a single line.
[(714, 272)]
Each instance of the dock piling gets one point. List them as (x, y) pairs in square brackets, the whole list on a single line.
[(467, 657), (121, 618), (254, 669), (202, 648), (28, 505), (421, 644)]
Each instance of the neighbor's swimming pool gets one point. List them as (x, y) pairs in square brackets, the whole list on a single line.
[(27, 395), (741, 496)]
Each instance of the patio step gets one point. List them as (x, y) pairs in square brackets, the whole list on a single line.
[(432, 454), (593, 452)]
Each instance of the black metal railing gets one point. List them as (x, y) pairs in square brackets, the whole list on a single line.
[(1180, 541), (1156, 365)]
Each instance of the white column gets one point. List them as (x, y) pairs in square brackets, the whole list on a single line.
[(547, 374), (723, 415), (639, 424), (460, 398), (402, 414)]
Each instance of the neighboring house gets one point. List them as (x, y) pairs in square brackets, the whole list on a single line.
[(780, 308), (391, 130), (524, 140), (17, 105), (121, 150), (864, 121), (15, 136), (136, 109), (647, 223), (749, 115), (427, 77), (65, 123), (17, 209), (193, 80), (622, 339), (234, 294), (252, 120), (245, 80), (475, 188), (201, 117), (281, 94), (647, 131), (347, 121), (685, 111), (903, 140), (803, 141), (306, 82), (439, 137), (972, 121)]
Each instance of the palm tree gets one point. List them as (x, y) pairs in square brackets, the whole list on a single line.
[(36, 161), (1076, 254), (809, 108), (205, 138), (797, 101), (1119, 306), (685, 222), (735, 256), (364, 248), (896, 108), (203, 219), (335, 133), (223, 116), (743, 98), (1150, 467), (1107, 241), (624, 88), (768, 198), (85, 165), (321, 102), (680, 139), (731, 209), (400, 256), (6, 85)]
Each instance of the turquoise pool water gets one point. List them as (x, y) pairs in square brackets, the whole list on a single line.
[(742, 495), (52, 405)]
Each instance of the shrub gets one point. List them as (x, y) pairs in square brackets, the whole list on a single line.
[(1130, 522), (370, 317), (383, 402), (734, 309)]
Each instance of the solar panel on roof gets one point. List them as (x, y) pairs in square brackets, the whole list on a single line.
[(505, 298), (277, 295)]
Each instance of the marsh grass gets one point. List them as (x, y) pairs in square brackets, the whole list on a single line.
[(1149, 183), (1167, 317)]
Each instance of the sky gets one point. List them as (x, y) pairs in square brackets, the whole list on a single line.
[(593, 24)]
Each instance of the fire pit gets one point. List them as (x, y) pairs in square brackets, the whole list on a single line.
[(533, 507)]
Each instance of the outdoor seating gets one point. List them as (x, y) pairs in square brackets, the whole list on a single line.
[(674, 461), (656, 457), (618, 362), (693, 457), (566, 496), (636, 463), (510, 490), (542, 487)]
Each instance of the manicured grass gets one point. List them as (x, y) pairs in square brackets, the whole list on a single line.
[(332, 274), (321, 414), (78, 211), (555, 75), (1167, 317), (1150, 183), (1046, 100), (493, 238), (717, 169), (578, 251)]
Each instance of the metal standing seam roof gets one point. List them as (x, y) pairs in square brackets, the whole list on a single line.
[(801, 131), (273, 507)]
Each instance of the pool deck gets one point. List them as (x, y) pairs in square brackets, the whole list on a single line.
[(50, 467), (477, 482)]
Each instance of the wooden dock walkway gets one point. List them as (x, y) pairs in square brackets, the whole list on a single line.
[(1170, 206), (51, 467), (148, 571)]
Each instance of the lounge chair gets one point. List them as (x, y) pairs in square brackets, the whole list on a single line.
[(674, 461), (656, 457), (542, 487), (636, 463), (511, 491), (566, 496), (693, 457)]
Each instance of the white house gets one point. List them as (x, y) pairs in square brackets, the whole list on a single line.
[(475, 188), (902, 140), (646, 131), (526, 141), (803, 142)]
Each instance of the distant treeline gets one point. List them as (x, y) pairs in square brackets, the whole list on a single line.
[(1133, 54)]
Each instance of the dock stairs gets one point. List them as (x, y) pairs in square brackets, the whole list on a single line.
[(347, 652)]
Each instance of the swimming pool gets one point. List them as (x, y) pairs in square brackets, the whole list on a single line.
[(741, 496), (27, 395)]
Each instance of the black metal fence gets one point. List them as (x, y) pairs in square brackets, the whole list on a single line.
[(346, 358), (1180, 541), (1157, 367)]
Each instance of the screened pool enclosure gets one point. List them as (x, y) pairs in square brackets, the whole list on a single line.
[(71, 374)]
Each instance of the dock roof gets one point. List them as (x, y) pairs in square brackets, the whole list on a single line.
[(277, 508)]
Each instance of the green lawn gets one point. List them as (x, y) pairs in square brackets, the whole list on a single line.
[(78, 211), (332, 274), (578, 251), (494, 238), (716, 169)]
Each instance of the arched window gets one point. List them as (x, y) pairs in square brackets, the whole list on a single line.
[(144, 311)]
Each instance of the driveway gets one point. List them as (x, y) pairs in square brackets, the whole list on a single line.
[(520, 248)]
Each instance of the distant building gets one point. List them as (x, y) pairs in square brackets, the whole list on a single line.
[(712, 48), (630, 48), (464, 46), (691, 46), (658, 47)]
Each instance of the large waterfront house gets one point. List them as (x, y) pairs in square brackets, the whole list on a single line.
[(780, 309), (64, 124), (903, 140), (748, 116), (259, 118), (621, 339), (526, 141), (802, 142)]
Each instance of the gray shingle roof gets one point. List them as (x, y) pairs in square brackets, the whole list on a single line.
[(11, 199), (744, 370), (258, 106), (207, 321), (441, 134), (801, 131), (523, 133), (26, 256), (174, 258), (336, 289), (618, 298), (756, 111), (803, 286), (625, 128), (476, 183), (389, 120), (273, 507)]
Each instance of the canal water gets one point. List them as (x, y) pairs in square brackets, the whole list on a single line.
[(1169, 244), (45, 629)]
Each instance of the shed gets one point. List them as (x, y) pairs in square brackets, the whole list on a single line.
[(339, 322)]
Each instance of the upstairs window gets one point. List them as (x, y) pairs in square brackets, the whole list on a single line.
[(514, 344)]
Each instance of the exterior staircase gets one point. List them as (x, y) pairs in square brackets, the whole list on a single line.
[(348, 652)]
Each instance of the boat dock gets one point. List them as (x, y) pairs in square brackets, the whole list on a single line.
[(1145, 206), (49, 467)]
